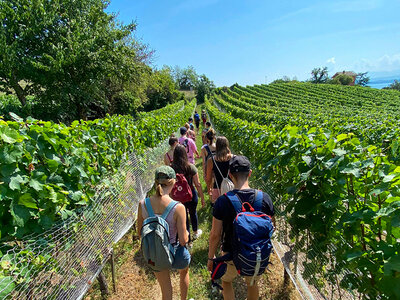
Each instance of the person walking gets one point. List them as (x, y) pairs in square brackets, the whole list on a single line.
[(208, 149), (181, 165), (203, 117), (204, 131), (190, 133), (169, 156), (224, 214), (196, 117), (218, 167), (189, 145), (178, 234)]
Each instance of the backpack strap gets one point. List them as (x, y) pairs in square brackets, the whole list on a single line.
[(168, 209), (237, 204), (149, 209), (258, 197), (208, 149)]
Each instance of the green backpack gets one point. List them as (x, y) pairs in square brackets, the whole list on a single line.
[(158, 252)]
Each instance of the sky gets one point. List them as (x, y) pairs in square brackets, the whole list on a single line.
[(252, 42)]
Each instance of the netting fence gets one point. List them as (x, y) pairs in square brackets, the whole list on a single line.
[(302, 261), (63, 262)]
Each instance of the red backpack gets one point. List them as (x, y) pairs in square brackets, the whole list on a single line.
[(181, 191)]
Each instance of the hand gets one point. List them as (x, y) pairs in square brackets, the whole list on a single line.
[(209, 265), (197, 156), (203, 204)]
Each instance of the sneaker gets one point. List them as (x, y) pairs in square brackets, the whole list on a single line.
[(197, 234)]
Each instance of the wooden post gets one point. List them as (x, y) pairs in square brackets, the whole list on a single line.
[(286, 278), (103, 285), (113, 270)]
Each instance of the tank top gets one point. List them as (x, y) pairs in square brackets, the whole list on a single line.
[(173, 230), (224, 168)]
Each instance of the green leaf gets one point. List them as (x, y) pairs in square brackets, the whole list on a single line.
[(53, 165), (307, 160), (353, 255), (339, 152), (36, 185), (8, 135), (341, 137), (7, 285), (15, 182), (27, 201), (20, 214), (392, 265)]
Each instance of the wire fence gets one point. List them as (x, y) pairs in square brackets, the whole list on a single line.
[(63, 262), (302, 261)]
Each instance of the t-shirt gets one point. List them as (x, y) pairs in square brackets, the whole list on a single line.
[(191, 147), (224, 211)]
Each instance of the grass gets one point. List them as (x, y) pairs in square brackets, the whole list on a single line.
[(134, 281)]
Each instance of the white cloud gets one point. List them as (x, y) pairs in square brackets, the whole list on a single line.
[(331, 60), (382, 64)]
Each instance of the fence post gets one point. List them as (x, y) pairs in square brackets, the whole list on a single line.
[(113, 270), (103, 285)]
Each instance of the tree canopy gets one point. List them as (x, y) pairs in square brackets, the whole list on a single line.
[(319, 75), (76, 59)]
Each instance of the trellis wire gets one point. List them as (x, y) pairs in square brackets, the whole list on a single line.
[(63, 262)]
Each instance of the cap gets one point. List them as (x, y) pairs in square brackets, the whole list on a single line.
[(165, 172), (183, 130), (239, 163)]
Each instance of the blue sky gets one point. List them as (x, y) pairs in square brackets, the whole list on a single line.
[(251, 42)]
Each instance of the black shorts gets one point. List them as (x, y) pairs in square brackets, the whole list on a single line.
[(197, 124)]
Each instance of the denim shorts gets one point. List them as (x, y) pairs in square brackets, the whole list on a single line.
[(182, 258)]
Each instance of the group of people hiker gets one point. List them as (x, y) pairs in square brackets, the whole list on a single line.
[(242, 223)]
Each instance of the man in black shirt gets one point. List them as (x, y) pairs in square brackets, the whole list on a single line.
[(222, 223)]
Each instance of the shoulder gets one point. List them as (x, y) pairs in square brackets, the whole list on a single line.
[(268, 206), (193, 169)]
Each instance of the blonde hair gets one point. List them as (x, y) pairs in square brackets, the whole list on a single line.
[(160, 183), (187, 125)]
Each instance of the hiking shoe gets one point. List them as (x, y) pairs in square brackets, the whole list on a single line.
[(197, 234)]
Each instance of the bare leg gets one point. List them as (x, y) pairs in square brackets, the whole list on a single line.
[(164, 281), (184, 282), (252, 291), (227, 291)]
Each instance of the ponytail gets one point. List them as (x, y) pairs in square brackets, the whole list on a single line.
[(159, 189), (159, 185)]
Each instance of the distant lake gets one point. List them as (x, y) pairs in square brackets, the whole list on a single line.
[(382, 82)]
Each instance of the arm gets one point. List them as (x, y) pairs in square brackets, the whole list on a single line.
[(215, 238), (183, 234), (209, 177), (203, 157), (196, 182), (139, 220), (166, 160)]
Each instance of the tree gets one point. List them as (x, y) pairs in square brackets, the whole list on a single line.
[(185, 79), (71, 54), (204, 87), (319, 75), (342, 79), (161, 89), (394, 86), (362, 79)]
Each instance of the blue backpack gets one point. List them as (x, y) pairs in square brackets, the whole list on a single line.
[(158, 252), (252, 231)]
